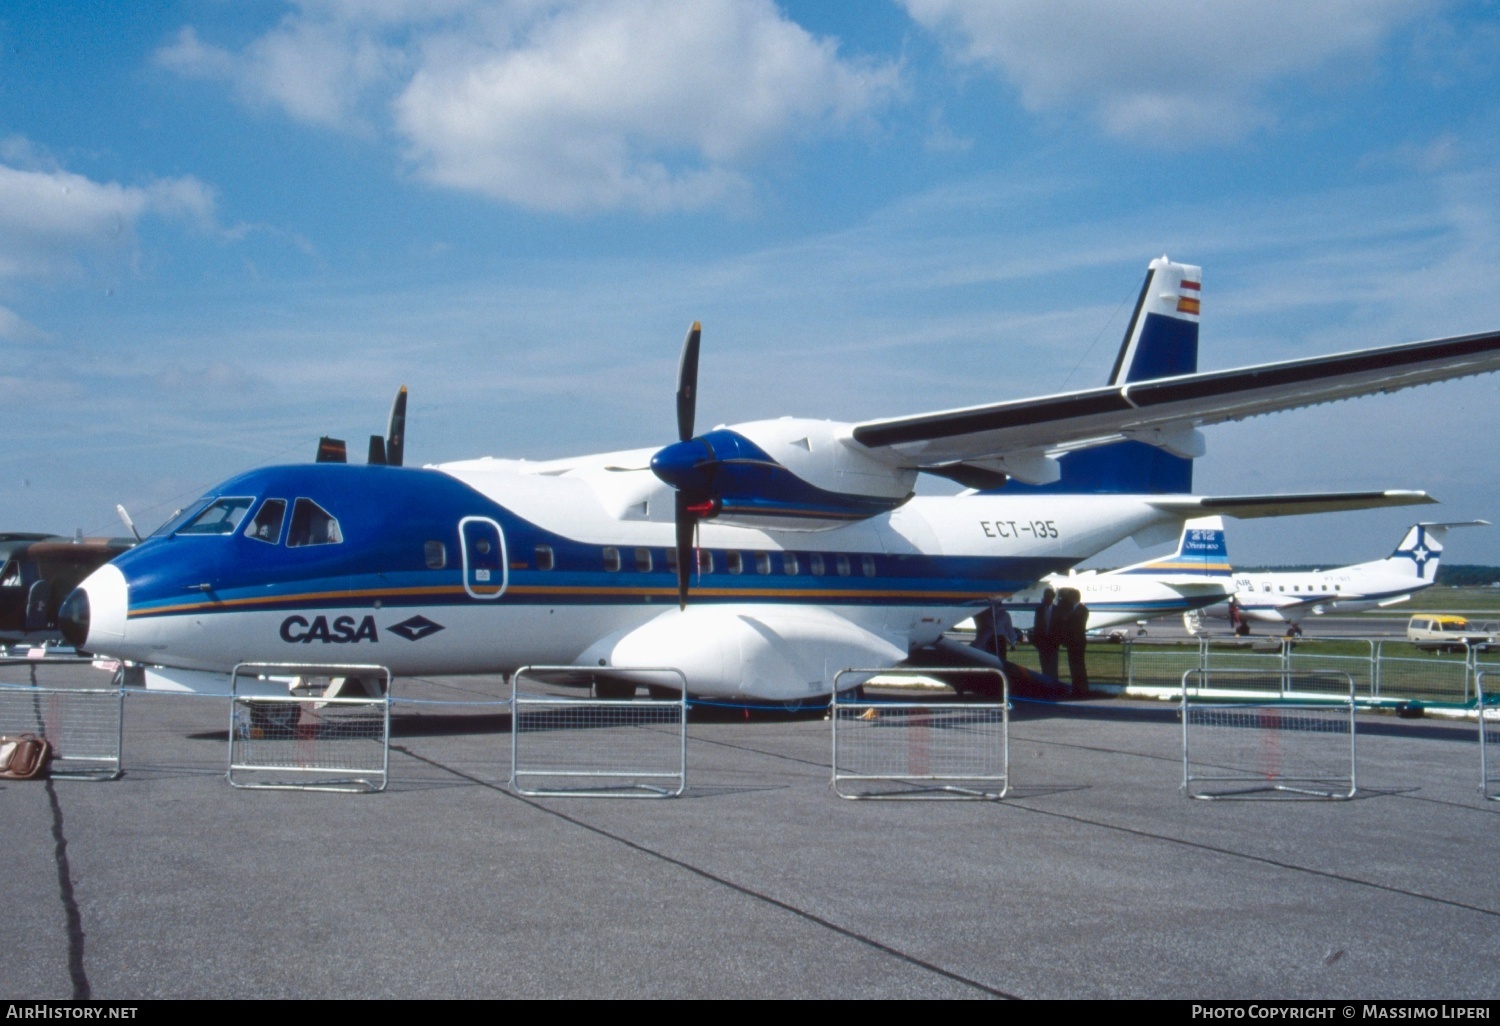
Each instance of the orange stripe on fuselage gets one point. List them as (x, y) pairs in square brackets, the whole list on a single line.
[(565, 591)]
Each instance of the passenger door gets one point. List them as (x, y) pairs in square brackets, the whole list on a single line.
[(485, 565)]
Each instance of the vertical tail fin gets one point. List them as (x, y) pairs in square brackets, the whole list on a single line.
[(1421, 549), (1201, 551), (1161, 341)]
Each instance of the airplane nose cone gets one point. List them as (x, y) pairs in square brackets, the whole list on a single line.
[(93, 617), (73, 618), (684, 465)]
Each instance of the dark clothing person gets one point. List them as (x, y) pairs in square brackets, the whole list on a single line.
[(1073, 617), (1044, 634)]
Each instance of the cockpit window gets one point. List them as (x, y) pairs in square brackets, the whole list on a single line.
[(266, 526), (181, 517), (312, 525), (10, 577), (222, 516)]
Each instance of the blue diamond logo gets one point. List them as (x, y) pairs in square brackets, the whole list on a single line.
[(415, 629)]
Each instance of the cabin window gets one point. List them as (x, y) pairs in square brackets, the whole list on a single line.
[(671, 561), (734, 563), (705, 561), (842, 563), (435, 555), (222, 516), (545, 560), (266, 527), (762, 562), (643, 561), (867, 565), (815, 564), (611, 559), (789, 564), (312, 525)]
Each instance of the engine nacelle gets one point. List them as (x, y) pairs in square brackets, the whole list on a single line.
[(788, 475)]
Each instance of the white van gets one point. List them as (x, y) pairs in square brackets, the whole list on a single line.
[(1446, 633)]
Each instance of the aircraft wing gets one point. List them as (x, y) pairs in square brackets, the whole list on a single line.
[(1019, 437), (1248, 507)]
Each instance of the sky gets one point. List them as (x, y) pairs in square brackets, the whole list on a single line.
[(228, 228)]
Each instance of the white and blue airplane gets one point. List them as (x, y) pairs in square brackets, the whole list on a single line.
[(1194, 576), (1289, 597), (759, 559)]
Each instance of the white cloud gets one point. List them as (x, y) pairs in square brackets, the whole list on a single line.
[(318, 71), (558, 104), (15, 329), (1168, 71), (48, 216)]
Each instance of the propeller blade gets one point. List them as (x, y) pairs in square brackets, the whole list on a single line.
[(129, 524), (377, 451), (687, 382), (395, 436), (685, 523)]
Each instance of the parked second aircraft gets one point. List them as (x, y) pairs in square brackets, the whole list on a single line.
[(1289, 597), (1194, 576)]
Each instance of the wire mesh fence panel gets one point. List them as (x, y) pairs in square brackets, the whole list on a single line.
[(82, 725), (316, 737), (1313, 670), (1423, 678), (914, 749), (58, 672), (1245, 668), (1273, 748), (1487, 684), (598, 747), (1158, 666)]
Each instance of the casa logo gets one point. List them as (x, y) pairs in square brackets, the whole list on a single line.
[(342, 631)]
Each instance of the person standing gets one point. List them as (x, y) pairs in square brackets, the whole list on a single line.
[(1073, 631), (993, 631), (1044, 634)]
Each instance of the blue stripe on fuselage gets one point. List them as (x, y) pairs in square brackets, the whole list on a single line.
[(387, 514)]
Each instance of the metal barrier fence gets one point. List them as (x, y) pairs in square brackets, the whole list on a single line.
[(1488, 704), (930, 749), (306, 740), (1384, 672), (1274, 746), (83, 721), (625, 747)]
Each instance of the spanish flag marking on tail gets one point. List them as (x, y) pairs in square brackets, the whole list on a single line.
[(1189, 304)]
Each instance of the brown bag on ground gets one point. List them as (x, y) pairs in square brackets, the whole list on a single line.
[(23, 757)]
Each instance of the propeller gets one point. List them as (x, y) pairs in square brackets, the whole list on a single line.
[(685, 518), (387, 451)]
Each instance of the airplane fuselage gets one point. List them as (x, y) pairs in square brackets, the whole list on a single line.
[(488, 565), (1291, 597)]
